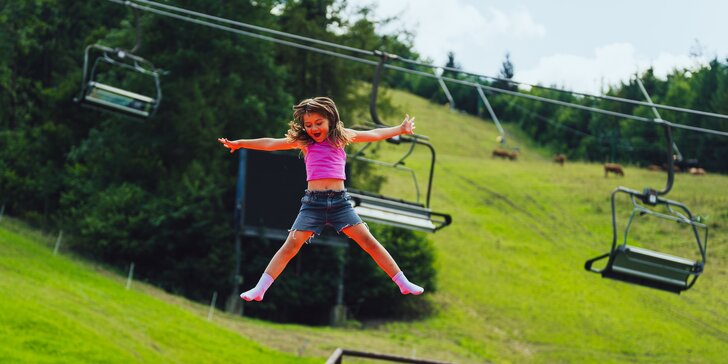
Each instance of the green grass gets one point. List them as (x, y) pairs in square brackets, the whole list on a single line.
[(512, 287), (60, 309), (510, 267)]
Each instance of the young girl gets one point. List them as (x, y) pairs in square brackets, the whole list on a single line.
[(317, 130)]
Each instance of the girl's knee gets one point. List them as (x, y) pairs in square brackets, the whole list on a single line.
[(297, 238)]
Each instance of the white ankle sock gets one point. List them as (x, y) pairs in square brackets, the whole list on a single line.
[(405, 286), (259, 290)]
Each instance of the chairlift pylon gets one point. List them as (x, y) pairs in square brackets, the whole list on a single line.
[(392, 211), (501, 138), (646, 267)]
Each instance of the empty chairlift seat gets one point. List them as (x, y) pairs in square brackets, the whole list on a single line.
[(391, 211), (102, 89), (646, 267), (395, 212), (649, 268), (128, 102)]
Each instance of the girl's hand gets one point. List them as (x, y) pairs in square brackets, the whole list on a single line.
[(227, 144), (408, 125)]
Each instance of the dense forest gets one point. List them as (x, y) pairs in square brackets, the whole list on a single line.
[(596, 137), (160, 193)]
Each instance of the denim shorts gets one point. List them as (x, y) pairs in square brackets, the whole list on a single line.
[(325, 208)]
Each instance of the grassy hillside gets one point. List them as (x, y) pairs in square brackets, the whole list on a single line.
[(60, 309), (512, 287)]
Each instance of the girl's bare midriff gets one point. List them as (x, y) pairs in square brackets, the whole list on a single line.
[(324, 184)]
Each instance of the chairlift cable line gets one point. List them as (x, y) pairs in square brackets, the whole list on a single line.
[(133, 4), (246, 25), (604, 97), (555, 124), (562, 103), (243, 32), (406, 60), (558, 125)]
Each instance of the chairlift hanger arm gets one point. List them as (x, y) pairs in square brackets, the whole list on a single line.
[(686, 218), (122, 58), (414, 139), (383, 57)]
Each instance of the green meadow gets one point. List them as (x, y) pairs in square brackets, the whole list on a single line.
[(511, 282)]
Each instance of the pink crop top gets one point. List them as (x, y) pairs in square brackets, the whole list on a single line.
[(325, 161)]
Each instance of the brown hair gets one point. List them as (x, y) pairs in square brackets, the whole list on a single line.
[(338, 136)]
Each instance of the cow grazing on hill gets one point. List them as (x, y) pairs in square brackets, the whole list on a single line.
[(614, 168), (560, 159), (697, 171), (502, 153)]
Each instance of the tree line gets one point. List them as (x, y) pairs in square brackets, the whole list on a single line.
[(595, 137)]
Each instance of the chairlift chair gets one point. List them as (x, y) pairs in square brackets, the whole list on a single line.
[(392, 211), (398, 212), (647, 267), (100, 95)]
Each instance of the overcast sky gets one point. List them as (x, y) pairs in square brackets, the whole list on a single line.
[(579, 45)]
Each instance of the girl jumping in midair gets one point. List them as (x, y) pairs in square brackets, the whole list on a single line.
[(317, 130)]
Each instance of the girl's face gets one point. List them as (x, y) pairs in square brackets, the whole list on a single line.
[(316, 126)]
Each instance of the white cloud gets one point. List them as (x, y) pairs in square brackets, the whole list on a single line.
[(591, 57), (518, 24), (666, 63), (609, 65), (454, 25)]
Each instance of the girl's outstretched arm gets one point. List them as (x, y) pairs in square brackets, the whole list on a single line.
[(407, 127), (267, 144)]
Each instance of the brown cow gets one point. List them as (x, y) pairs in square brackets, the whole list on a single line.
[(614, 168), (654, 168), (560, 159), (697, 171), (502, 153)]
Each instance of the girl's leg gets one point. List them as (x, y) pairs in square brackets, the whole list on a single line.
[(366, 241), (288, 250)]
